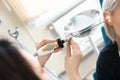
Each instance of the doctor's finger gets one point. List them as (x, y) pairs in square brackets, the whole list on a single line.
[(68, 50), (75, 46), (43, 42)]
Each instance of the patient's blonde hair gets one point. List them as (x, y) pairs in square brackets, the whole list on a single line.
[(110, 6)]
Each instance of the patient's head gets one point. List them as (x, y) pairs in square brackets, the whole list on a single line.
[(111, 12), (16, 64)]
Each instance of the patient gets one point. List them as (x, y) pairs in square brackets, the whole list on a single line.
[(17, 64), (108, 63)]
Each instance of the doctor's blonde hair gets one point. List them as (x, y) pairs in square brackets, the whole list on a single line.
[(110, 6)]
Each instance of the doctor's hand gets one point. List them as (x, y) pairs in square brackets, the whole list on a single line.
[(72, 60), (44, 58)]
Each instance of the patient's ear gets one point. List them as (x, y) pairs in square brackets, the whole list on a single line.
[(108, 17)]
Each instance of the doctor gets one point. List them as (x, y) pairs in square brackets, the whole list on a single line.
[(17, 64)]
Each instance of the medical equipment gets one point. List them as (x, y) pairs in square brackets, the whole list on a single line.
[(15, 35), (51, 47), (85, 30)]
